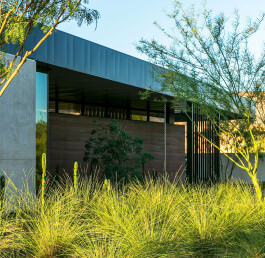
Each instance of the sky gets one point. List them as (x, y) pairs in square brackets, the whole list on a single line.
[(124, 22)]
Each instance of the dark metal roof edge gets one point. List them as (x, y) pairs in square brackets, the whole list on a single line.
[(99, 45), (71, 52)]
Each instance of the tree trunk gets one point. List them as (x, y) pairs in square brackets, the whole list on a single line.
[(256, 185)]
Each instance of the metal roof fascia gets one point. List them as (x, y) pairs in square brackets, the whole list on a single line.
[(77, 54)]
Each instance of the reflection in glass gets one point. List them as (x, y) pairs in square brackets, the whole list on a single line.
[(156, 117), (41, 122), (138, 115), (52, 105), (70, 108)]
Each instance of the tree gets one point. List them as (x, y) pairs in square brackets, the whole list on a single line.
[(19, 17), (210, 64), (120, 154)]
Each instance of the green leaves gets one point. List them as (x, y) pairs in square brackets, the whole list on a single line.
[(19, 17), (15, 33), (211, 65), (116, 151)]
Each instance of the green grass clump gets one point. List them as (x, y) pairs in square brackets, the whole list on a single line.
[(151, 219)]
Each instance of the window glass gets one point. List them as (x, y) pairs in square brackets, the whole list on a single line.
[(117, 113), (138, 115), (52, 106), (94, 111), (156, 117), (41, 121), (70, 108)]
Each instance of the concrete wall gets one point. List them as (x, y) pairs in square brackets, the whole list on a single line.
[(17, 127), (238, 173), (68, 134)]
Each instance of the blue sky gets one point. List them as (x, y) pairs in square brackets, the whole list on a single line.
[(41, 97), (124, 22)]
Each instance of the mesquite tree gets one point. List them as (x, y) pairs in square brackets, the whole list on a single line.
[(19, 17), (210, 64)]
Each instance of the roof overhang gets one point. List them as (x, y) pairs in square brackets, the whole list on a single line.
[(67, 51)]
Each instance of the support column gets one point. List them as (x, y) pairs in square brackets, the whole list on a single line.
[(190, 148), (147, 111), (56, 99), (167, 112), (165, 138), (128, 110), (83, 104), (106, 115)]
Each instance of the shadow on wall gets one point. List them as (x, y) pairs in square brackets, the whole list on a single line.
[(230, 170)]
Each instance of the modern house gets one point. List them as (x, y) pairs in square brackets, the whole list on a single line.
[(70, 82)]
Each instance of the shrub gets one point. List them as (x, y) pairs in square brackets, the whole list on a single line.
[(120, 154)]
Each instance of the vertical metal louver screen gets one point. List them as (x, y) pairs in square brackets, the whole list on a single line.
[(202, 157)]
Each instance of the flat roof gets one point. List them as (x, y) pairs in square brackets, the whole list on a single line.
[(64, 50)]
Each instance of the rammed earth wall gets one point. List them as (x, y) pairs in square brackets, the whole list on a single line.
[(68, 133)]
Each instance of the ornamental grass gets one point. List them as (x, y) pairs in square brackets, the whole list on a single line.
[(140, 219)]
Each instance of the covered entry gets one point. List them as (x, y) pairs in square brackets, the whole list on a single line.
[(86, 81), (77, 100)]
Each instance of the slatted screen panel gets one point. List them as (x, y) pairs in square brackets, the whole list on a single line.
[(202, 157)]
